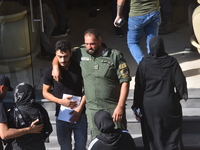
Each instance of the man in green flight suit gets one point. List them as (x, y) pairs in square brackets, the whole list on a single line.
[(106, 79)]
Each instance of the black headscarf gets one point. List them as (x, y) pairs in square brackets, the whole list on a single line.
[(24, 112), (158, 59), (109, 135), (24, 94), (157, 48), (159, 63), (104, 122)]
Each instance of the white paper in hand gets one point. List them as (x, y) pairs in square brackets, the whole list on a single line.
[(64, 111)]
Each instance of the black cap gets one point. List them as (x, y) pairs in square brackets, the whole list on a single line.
[(5, 81)]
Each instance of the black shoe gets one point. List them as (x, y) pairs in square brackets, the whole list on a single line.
[(57, 33), (167, 27), (167, 30)]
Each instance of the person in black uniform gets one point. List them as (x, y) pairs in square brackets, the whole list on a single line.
[(110, 138), (159, 87)]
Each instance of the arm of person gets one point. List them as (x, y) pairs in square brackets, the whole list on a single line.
[(65, 102), (77, 111), (119, 110), (120, 5), (56, 71), (8, 133)]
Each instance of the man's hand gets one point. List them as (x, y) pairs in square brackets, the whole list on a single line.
[(138, 118), (75, 116), (35, 128), (116, 21), (69, 103), (118, 114), (138, 114), (56, 73)]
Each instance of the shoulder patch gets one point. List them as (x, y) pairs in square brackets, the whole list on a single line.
[(123, 65), (74, 49), (124, 72), (85, 58)]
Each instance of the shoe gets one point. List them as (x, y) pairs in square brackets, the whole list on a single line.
[(167, 27), (58, 34), (118, 32)]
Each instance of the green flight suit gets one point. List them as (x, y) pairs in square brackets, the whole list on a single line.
[(102, 77)]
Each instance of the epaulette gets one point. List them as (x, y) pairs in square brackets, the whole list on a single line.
[(74, 49)]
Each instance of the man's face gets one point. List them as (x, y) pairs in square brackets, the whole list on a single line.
[(92, 44), (63, 57)]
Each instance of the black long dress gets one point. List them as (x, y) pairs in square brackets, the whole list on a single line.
[(159, 87)]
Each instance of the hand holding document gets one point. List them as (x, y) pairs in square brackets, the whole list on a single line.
[(64, 113)]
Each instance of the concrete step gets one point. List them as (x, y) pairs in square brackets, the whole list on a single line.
[(190, 141), (190, 123), (190, 103), (193, 93), (190, 126), (191, 115), (53, 144)]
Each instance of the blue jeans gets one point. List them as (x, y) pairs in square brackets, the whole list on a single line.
[(64, 134), (149, 23)]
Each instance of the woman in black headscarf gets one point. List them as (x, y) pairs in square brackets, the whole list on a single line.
[(110, 138), (23, 114), (159, 87)]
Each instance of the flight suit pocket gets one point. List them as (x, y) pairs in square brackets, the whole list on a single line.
[(108, 70), (105, 69), (86, 68)]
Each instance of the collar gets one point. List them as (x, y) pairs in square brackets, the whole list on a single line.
[(102, 52)]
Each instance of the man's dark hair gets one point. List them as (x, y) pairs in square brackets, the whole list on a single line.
[(63, 46), (94, 32)]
